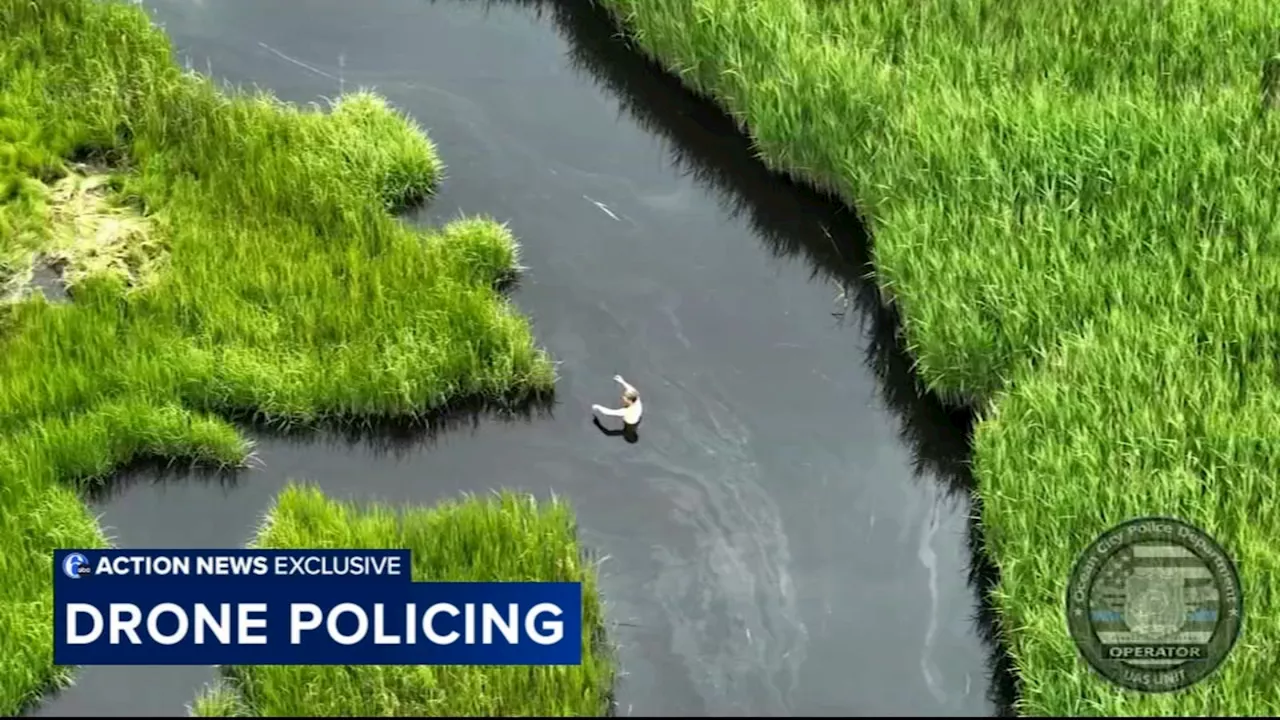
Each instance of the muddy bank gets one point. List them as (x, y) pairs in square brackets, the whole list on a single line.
[(786, 536)]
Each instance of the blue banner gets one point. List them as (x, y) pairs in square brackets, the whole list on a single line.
[(299, 607)]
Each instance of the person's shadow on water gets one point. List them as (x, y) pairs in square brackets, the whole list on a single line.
[(630, 433)]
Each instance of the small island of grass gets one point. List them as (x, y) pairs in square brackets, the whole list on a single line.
[(503, 538), (225, 257)]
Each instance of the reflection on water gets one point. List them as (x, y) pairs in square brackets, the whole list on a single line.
[(630, 433), (753, 627), (776, 542)]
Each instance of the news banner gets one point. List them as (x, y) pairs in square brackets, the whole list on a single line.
[(299, 607)]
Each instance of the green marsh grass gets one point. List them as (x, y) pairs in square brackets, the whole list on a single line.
[(279, 286), (1074, 207), (504, 537)]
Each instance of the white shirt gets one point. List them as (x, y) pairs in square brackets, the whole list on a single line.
[(631, 413)]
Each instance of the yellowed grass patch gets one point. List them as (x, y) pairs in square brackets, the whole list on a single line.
[(90, 234)]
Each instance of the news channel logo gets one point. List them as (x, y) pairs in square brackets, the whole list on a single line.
[(1154, 605), (75, 566)]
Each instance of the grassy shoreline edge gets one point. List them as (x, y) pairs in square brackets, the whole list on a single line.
[(276, 278), (1076, 239), (506, 537)]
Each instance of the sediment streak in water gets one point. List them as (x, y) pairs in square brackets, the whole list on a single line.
[(729, 599), (929, 559)]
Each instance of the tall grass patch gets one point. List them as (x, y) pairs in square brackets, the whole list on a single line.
[(229, 256), (502, 538), (1074, 207)]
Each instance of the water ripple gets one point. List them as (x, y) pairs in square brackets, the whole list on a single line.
[(729, 598)]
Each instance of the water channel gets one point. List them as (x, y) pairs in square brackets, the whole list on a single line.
[(789, 535)]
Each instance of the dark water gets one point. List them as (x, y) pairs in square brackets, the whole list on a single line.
[(789, 535)]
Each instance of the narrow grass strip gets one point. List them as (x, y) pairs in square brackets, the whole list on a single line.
[(39, 470), (1074, 207), (505, 537)]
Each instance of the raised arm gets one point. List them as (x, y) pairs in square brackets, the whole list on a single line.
[(625, 385)]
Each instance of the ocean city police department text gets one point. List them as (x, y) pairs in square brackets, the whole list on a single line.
[(242, 565)]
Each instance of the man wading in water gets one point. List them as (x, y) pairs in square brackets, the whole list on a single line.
[(630, 412)]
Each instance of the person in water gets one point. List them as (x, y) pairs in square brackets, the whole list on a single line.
[(632, 409)]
